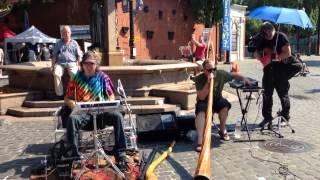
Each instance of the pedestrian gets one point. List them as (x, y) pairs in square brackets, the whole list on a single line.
[(66, 55), (1, 57), (44, 54), (27, 54), (200, 51)]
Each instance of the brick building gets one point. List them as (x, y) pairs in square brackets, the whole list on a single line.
[(160, 28)]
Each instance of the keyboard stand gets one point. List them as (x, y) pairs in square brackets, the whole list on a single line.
[(245, 109)]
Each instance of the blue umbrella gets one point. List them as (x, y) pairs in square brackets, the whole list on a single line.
[(280, 15)]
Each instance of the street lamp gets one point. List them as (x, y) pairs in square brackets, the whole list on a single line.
[(131, 40)]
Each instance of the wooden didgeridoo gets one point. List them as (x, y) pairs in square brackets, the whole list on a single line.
[(203, 170)]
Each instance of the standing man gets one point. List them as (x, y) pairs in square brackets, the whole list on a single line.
[(274, 53), (44, 54), (91, 84), (220, 104), (66, 55), (1, 57)]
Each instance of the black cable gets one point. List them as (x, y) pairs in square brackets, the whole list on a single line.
[(283, 170)]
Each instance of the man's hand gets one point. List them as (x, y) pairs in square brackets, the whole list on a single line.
[(210, 76), (193, 37), (275, 57), (247, 81)]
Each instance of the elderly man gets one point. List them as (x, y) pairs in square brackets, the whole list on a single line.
[(274, 53), (220, 104), (66, 55)]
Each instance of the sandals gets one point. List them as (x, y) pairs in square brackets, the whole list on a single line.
[(198, 148), (224, 136)]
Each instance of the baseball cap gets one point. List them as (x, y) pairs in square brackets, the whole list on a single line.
[(267, 26), (90, 57)]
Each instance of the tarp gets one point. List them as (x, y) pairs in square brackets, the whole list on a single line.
[(31, 35)]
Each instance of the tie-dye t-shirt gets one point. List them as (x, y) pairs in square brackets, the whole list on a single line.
[(96, 88)]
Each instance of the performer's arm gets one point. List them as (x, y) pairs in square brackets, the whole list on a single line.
[(197, 43), (240, 77), (286, 52), (69, 102), (111, 97), (203, 93)]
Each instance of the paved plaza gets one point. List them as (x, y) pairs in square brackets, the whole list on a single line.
[(24, 143)]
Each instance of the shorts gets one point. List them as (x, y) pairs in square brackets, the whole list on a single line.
[(218, 105)]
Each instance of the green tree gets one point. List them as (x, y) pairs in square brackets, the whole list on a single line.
[(207, 12)]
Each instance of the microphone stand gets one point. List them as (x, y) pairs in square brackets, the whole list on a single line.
[(132, 128)]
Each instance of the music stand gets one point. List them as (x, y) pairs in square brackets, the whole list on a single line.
[(98, 150), (239, 86)]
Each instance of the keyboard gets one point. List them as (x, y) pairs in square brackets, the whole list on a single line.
[(97, 106)]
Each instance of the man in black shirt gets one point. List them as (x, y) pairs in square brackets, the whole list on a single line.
[(274, 52)]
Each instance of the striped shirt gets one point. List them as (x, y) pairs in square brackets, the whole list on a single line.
[(96, 88)]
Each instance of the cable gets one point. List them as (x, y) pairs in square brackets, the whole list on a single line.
[(283, 170)]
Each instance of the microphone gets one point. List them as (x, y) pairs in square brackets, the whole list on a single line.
[(120, 89)]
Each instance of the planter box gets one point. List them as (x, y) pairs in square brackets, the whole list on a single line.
[(184, 94)]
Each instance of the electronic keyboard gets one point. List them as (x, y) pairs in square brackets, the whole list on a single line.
[(97, 106)]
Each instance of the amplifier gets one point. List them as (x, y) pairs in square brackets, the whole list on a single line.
[(156, 122)]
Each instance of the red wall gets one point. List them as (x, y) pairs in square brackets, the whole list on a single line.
[(159, 46), (48, 17)]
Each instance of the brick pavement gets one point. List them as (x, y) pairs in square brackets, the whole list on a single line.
[(24, 144)]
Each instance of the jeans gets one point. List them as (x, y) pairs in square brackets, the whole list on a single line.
[(276, 76), (85, 122)]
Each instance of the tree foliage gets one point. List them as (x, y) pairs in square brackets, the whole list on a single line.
[(207, 12)]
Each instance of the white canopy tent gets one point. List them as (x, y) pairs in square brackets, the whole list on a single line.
[(31, 35)]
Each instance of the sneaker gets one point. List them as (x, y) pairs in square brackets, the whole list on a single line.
[(122, 165), (191, 77), (264, 122), (224, 136), (283, 123)]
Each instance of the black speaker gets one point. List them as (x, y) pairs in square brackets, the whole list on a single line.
[(156, 122), (186, 122), (159, 127)]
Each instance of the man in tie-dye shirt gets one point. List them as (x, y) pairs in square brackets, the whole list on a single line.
[(90, 84)]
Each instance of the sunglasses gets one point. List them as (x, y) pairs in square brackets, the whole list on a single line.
[(87, 63), (211, 70)]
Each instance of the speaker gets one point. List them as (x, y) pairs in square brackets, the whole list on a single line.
[(156, 122), (186, 122)]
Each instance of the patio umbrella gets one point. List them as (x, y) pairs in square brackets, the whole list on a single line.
[(280, 15)]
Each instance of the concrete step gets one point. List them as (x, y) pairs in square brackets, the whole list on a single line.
[(43, 104), (131, 100), (31, 112), (136, 109), (11, 119), (149, 100), (146, 109)]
